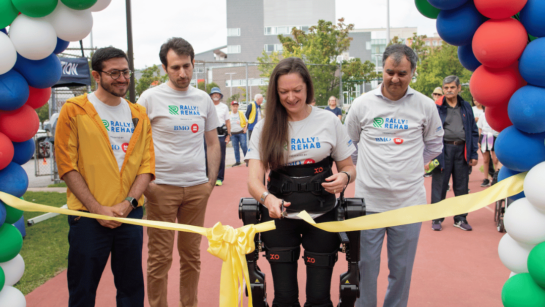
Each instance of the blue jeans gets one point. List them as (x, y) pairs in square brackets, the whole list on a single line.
[(239, 140), (90, 246)]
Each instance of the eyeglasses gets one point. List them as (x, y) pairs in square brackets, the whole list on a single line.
[(115, 74), (435, 94)]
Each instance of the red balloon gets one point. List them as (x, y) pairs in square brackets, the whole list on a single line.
[(499, 9), (19, 125), (6, 151), (497, 117), (38, 97), (498, 43), (494, 87)]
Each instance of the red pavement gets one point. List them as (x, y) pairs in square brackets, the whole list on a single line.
[(452, 267)]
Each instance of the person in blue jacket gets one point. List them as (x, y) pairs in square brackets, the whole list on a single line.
[(461, 137), (253, 113)]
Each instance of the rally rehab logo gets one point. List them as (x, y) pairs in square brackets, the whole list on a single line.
[(106, 124), (377, 122), (173, 110)]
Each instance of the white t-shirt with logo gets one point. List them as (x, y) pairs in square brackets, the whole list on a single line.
[(223, 112), (311, 140), (178, 122), (235, 121), (118, 122), (394, 138)]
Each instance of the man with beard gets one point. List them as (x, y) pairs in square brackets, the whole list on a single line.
[(181, 116), (104, 153)]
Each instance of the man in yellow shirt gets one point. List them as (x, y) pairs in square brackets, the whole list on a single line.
[(105, 154)]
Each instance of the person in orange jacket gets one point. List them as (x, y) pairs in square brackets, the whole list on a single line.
[(105, 154)]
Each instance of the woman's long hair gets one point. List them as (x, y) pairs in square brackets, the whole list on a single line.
[(274, 143)]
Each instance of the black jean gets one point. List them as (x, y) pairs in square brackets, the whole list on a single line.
[(291, 233), (455, 165), (90, 246)]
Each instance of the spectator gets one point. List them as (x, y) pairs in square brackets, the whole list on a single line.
[(239, 126), (487, 139), (181, 117), (478, 110), (253, 113), (398, 129), (459, 151), (106, 169), (224, 130), (437, 95), (332, 106)]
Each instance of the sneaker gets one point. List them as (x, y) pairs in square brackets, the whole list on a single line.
[(495, 178), (436, 225), (427, 175), (463, 225), (219, 182), (448, 187), (236, 164), (485, 183)]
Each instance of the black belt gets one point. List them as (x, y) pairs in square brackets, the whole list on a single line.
[(455, 142)]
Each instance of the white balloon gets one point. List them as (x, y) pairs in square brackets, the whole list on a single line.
[(512, 274), (8, 55), (534, 186), (12, 297), (513, 254), (100, 5), (13, 270), (33, 38), (71, 25), (524, 222)]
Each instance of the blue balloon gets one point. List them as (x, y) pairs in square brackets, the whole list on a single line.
[(4, 30), (532, 17), (20, 225), (447, 4), (2, 213), (458, 26), (13, 91), (13, 180), (506, 173), (532, 63), (467, 57), (40, 74), (527, 109), (23, 151), (518, 150), (61, 46)]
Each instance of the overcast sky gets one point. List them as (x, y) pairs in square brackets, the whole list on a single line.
[(203, 23)]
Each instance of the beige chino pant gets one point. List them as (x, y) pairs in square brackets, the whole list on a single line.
[(186, 205)]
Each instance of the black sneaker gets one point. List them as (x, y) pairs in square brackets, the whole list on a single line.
[(436, 225), (485, 183), (463, 225), (236, 164), (495, 178)]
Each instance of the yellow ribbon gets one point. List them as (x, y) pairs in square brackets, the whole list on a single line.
[(414, 214), (229, 244)]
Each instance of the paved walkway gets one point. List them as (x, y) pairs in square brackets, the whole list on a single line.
[(452, 267)]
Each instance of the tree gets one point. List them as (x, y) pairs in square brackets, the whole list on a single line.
[(150, 76), (440, 63), (320, 49), (43, 112), (209, 86)]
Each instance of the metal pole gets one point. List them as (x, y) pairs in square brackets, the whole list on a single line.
[(247, 97), (132, 88), (231, 85), (205, 75), (388, 22)]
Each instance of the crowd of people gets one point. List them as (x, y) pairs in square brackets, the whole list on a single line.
[(169, 148)]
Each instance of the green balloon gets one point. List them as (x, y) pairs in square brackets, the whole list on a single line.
[(8, 12), (426, 9), (536, 264), (2, 279), (13, 215), (521, 291), (79, 4), (11, 242), (35, 8)]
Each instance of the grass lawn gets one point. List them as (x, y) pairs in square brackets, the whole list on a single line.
[(45, 247), (61, 184)]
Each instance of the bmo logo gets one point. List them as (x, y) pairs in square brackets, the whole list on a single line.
[(124, 147), (194, 128), (309, 161), (398, 141)]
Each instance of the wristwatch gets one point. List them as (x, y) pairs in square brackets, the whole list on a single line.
[(133, 202), (263, 196)]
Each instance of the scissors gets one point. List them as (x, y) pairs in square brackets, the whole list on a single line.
[(284, 213)]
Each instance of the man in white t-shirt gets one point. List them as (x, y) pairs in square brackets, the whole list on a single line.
[(224, 129), (181, 116), (398, 130)]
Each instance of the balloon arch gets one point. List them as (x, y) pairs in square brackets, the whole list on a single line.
[(503, 42), (29, 67)]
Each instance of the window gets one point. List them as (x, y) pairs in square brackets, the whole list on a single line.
[(428, 43), (305, 28), (435, 43), (233, 32), (269, 47), (233, 49), (282, 30), (368, 45), (270, 30), (278, 47)]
